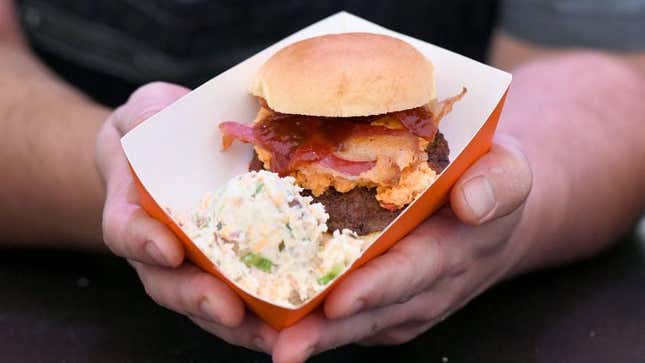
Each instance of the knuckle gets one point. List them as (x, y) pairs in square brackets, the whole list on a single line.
[(516, 164), (458, 265), (156, 292), (400, 337), (405, 298), (152, 292), (201, 282), (432, 313), (109, 228), (409, 271), (422, 263), (146, 101), (123, 234), (161, 301), (424, 308), (374, 327), (437, 265), (133, 242), (375, 294), (138, 115), (122, 118), (195, 291), (428, 313)]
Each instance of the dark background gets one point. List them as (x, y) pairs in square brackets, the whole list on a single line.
[(109, 47), (71, 307), (60, 306)]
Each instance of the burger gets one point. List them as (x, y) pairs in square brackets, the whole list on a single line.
[(353, 118)]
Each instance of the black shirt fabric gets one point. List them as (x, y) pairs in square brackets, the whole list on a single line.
[(616, 25), (109, 47)]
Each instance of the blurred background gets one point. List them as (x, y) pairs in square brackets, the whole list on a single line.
[(108, 48), (80, 307)]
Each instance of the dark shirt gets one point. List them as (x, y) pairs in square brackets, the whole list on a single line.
[(606, 24), (108, 47)]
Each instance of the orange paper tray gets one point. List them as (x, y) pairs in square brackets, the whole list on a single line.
[(175, 155)]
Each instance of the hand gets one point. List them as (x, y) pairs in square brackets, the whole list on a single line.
[(448, 260), (152, 249)]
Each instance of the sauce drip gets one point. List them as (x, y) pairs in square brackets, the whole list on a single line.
[(298, 140), (419, 121)]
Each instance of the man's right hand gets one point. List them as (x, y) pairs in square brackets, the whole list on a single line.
[(152, 249)]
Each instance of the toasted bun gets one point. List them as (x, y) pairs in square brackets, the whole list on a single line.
[(342, 75)]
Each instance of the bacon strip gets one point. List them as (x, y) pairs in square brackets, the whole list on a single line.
[(418, 121), (424, 122), (347, 167), (442, 108), (232, 130), (297, 140), (304, 154)]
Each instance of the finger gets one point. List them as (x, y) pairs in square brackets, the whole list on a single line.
[(9, 27), (412, 265), (398, 334), (191, 291), (316, 333), (252, 333), (128, 231), (145, 102), (440, 248), (434, 305), (498, 183)]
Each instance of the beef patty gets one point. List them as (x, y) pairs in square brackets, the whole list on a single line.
[(358, 209)]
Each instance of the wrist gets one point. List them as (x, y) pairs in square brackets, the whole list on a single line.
[(52, 193), (577, 117)]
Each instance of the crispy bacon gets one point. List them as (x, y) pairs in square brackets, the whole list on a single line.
[(423, 122), (389, 206), (346, 166), (367, 130), (419, 121), (232, 130), (441, 109), (297, 140), (305, 143)]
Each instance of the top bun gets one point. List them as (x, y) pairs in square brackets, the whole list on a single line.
[(343, 75)]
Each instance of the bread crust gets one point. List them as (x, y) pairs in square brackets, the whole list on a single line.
[(344, 75)]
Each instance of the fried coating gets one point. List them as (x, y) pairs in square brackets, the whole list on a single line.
[(358, 209)]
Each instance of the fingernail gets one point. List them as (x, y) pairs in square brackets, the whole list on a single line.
[(479, 195), (207, 314), (153, 251)]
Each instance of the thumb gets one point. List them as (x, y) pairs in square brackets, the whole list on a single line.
[(127, 230), (145, 102), (497, 184)]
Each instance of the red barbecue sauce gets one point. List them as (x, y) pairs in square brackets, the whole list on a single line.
[(297, 140), (419, 121)]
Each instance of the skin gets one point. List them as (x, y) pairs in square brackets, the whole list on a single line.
[(50, 192), (569, 148)]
